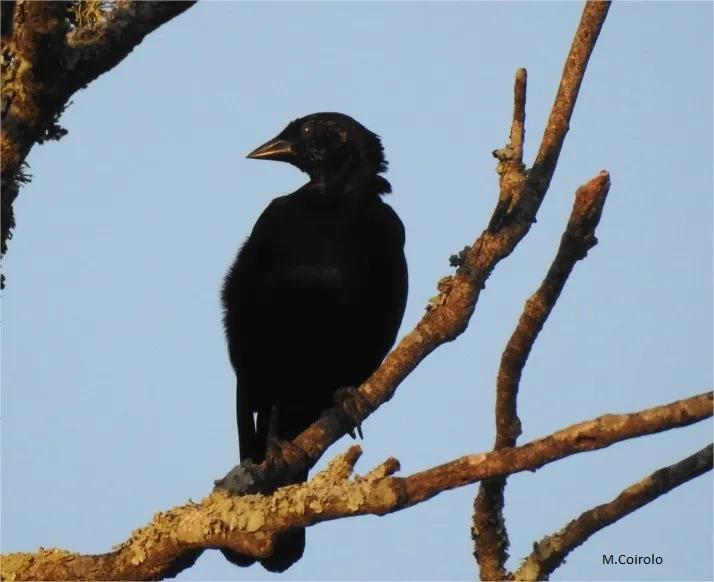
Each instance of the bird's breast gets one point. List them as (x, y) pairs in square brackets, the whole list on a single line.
[(319, 275)]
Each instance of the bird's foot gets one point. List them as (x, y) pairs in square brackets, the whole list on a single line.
[(353, 406), (284, 464), (288, 459), (243, 479)]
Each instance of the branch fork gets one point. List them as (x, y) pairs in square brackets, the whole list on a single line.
[(248, 523)]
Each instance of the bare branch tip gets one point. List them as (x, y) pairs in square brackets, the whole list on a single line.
[(385, 469), (352, 455), (551, 551), (603, 176), (340, 467), (596, 187)]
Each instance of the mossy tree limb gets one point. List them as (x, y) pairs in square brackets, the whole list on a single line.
[(50, 50), (248, 524)]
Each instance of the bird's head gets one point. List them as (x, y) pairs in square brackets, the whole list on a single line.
[(332, 148)]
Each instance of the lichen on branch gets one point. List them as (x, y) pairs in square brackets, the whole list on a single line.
[(52, 50), (249, 524)]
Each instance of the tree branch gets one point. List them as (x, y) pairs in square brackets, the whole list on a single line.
[(449, 313), (97, 48), (511, 171), (577, 240), (551, 551), (47, 56), (489, 530), (521, 193), (248, 524), (590, 435), (556, 128), (46, 59)]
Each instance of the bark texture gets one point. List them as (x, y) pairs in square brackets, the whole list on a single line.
[(50, 50), (248, 524), (522, 191), (53, 49), (489, 530), (550, 552), (448, 314)]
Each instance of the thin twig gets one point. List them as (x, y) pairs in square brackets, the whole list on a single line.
[(510, 168), (578, 238), (518, 126), (550, 552)]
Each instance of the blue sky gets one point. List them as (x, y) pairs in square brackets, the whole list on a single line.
[(117, 394)]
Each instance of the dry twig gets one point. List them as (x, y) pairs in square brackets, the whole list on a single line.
[(523, 192), (489, 531), (510, 166)]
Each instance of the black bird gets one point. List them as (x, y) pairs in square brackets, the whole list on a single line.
[(315, 297)]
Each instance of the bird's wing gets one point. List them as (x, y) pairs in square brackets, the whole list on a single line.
[(390, 274), (248, 327)]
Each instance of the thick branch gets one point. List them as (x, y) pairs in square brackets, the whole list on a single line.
[(590, 435), (45, 60), (248, 524), (26, 58), (92, 51), (550, 552)]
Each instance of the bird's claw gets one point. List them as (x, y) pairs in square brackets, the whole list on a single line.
[(242, 479), (351, 432), (282, 451), (283, 462), (352, 404)]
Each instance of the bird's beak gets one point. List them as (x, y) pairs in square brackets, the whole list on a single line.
[(275, 149)]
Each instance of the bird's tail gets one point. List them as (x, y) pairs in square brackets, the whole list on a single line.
[(288, 549)]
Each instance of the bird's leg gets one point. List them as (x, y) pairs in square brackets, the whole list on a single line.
[(286, 466), (352, 404), (272, 449), (286, 458), (285, 463), (243, 479)]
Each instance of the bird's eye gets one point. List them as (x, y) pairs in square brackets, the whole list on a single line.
[(306, 130)]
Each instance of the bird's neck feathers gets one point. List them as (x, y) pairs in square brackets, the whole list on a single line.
[(358, 175)]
